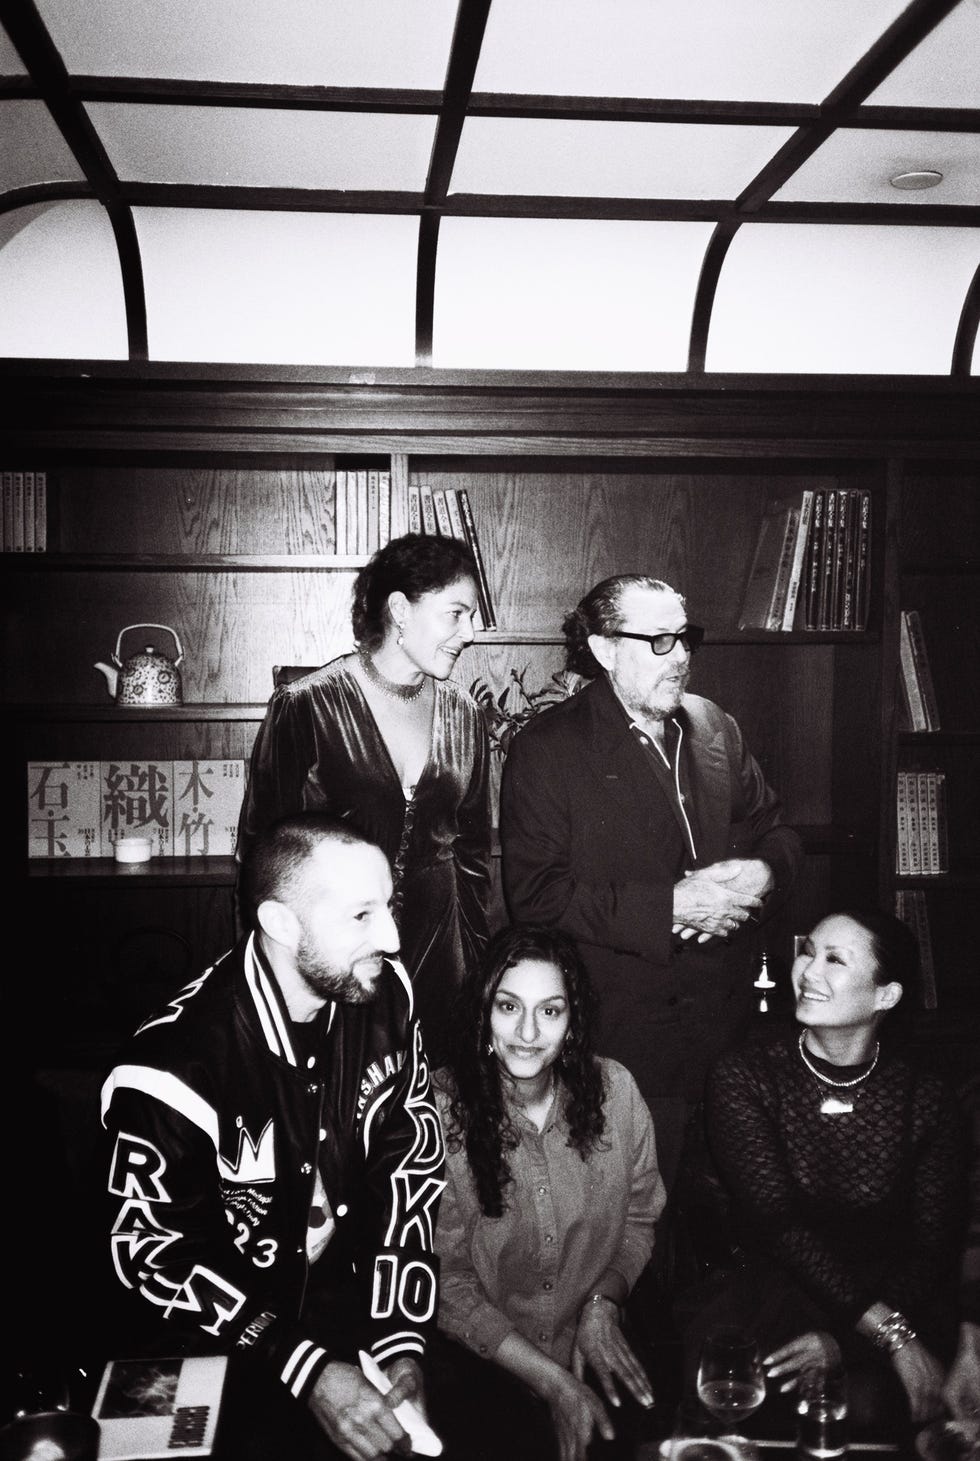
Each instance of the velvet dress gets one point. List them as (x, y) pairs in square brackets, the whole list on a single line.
[(319, 748)]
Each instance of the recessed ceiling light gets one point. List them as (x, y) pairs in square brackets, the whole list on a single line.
[(914, 181)]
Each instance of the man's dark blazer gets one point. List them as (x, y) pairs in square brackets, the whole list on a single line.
[(592, 841)]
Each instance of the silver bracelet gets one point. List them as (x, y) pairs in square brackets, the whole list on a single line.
[(893, 1333), (597, 1298)]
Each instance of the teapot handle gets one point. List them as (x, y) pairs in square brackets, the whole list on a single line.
[(165, 627)]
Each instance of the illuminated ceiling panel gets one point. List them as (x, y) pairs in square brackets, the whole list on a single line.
[(265, 148), (855, 299), (566, 294), (943, 70), (10, 62), (516, 183), (60, 288), (310, 42), (299, 288), (758, 50), (33, 150), (857, 166), (610, 159)]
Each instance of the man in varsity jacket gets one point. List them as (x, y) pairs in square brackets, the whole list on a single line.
[(276, 1157)]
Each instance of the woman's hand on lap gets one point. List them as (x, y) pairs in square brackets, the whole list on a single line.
[(601, 1344)]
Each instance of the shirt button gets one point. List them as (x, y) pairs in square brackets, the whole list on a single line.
[(341, 1209), (549, 1237), (542, 1189), (311, 1062), (306, 1169), (547, 1285), (543, 1336), (323, 1134)]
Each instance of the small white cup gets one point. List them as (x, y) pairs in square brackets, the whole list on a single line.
[(133, 849)]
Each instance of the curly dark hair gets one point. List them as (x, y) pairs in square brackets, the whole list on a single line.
[(414, 564), (479, 1118), (598, 613)]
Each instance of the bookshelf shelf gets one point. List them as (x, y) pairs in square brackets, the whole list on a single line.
[(187, 872), (245, 714), (182, 562)]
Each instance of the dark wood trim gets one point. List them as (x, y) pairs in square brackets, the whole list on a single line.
[(966, 331), (704, 296), (34, 193), (152, 413), (162, 91), (168, 91), (494, 205), (471, 21)]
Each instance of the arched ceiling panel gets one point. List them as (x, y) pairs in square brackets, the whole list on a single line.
[(856, 299), (610, 159), (346, 294), (565, 294), (264, 148), (33, 150), (60, 288), (758, 50), (300, 42)]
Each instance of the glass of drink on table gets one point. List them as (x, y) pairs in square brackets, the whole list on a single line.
[(821, 1414), (731, 1380)]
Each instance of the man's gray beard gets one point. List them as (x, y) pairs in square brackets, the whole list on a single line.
[(326, 984)]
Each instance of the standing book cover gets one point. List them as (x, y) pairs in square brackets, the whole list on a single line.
[(80, 809), (207, 798), (153, 1407), (64, 809)]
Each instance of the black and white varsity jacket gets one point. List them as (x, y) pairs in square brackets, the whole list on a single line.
[(224, 1138)]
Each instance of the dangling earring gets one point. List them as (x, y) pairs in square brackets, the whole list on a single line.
[(398, 637), (489, 1047)]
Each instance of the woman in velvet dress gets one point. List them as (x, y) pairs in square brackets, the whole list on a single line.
[(381, 736)]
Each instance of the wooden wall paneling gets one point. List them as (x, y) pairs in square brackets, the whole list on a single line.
[(940, 515), (184, 509), (233, 627)]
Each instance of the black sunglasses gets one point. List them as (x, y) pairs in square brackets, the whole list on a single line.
[(691, 636)]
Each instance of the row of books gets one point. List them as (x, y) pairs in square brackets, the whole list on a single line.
[(24, 521), (362, 510), (922, 838), (918, 689), (812, 563), (447, 511), (910, 907), (80, 809)]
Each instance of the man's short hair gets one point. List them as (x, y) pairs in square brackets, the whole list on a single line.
[(273, 863), (599, 613)]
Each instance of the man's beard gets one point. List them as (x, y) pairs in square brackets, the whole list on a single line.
[(326, 982)]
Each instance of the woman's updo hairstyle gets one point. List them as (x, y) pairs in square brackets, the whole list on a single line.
[(896, 954), (414, 564)]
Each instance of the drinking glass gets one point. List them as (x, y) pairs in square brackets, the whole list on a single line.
[(821, 1414), (731, 1380)]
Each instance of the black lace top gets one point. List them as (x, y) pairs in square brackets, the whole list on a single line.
[(857, 1206)]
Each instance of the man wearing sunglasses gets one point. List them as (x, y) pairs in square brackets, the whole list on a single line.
[(634, 817)]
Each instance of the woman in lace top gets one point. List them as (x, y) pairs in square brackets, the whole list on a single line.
[(381, 737), (844, 1166)]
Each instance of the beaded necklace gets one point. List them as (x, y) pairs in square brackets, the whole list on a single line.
[(391, 688), (833, 1105)]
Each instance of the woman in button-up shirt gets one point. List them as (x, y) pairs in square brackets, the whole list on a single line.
[(553, 1186)]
